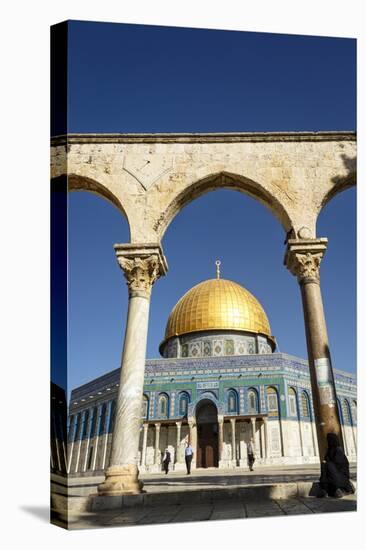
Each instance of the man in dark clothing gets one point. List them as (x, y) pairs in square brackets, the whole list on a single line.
[(334, 478), (250, 450), (166, 461)]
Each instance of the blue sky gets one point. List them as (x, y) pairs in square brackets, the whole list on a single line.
[(125, 78)]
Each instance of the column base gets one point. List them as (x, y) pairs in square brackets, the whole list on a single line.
[(121, 480)]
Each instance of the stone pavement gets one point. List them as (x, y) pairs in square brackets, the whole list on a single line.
[(206, 495), (226, 508)]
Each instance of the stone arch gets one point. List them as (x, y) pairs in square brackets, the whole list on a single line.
[(222, 180), (206, 396), (82, 183), (341, 182)]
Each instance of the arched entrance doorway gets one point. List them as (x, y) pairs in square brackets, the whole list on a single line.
[(207, 435)]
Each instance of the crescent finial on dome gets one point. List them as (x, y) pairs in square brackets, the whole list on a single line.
[(218, 263)]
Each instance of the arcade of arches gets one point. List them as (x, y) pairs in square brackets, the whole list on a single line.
[(150, 178)]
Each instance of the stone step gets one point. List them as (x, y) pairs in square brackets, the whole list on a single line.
[(272, 491)]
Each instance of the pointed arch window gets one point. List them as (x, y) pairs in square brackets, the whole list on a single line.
[(272, 401), (232, 401), (305, 405), (93, 422), (85, 424), (346, 411), (112, 416), (292, 405), (71, 428), (78, 426), (340, 412), (145, 406), (252, 401), (183, 403), (163, 405), (354, 411), (103, 418)]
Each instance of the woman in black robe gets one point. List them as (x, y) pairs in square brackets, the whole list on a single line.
[(166, 461), (334, 479)]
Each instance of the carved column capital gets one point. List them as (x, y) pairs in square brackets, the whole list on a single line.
[(303, 258), (142, 265)]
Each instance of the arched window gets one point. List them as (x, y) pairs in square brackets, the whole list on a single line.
[(183, 403), (85, 424), (340, 412), (145, 406), (354, 411), (103, 418), (272, 401), (346, 412), (252, 401), (78, 426), (71, 428), (232, 401), (90, 456), (163, 405), (305, 405), (93, 422), (112, 416), (292, 406)]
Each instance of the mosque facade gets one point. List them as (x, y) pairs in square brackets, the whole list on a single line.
[(219, 383)]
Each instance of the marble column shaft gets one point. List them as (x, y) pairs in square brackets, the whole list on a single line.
[(266, 443), (252, 420), (144, 442), (177, 446), (193, 441), (142, 266), (303, 258), (233, 440), (157, 444), (221, 436)]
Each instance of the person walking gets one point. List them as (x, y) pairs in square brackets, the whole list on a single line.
[(166, 460), (188, 455), (250, 451), (335, 478)]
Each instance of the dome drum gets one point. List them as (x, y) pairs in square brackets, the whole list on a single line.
[(216, 343)]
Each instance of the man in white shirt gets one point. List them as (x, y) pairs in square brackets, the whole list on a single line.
[(188, 454)]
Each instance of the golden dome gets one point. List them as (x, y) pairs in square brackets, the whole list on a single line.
[(217, 304)]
